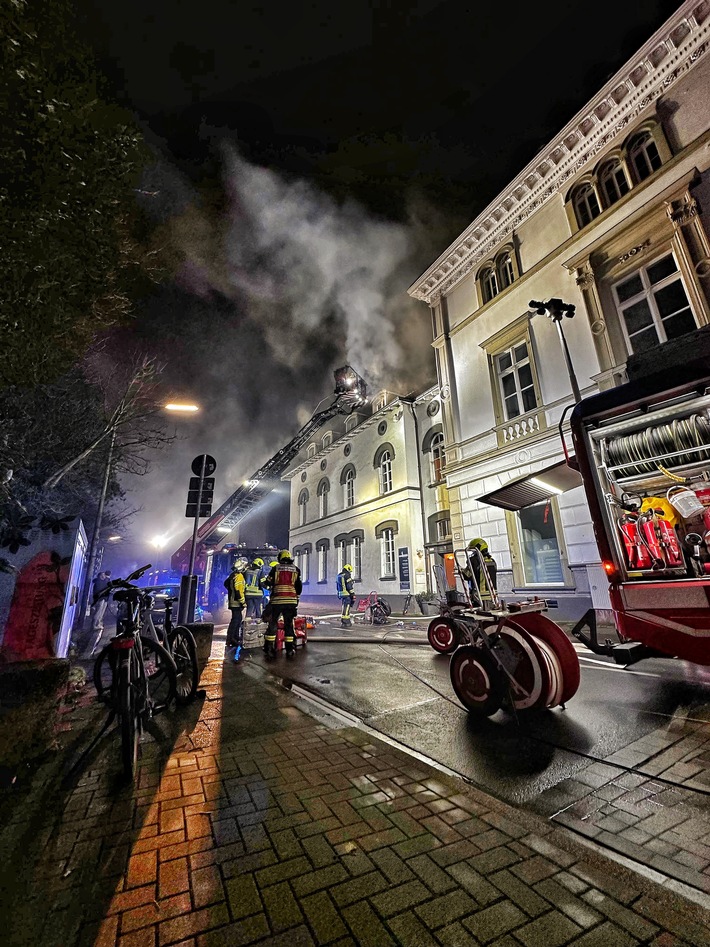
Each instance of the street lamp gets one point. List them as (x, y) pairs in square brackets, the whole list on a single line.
[(555, 309), (183, 408)]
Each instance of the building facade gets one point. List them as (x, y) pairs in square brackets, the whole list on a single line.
[(612, 218), (369, 491)]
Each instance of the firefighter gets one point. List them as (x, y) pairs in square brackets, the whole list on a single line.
[(285, 583), (346, 593), (476, 581), (235, 586), (267, 588), (253, 591)]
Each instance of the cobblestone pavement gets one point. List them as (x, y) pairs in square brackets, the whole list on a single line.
[(252, 822)]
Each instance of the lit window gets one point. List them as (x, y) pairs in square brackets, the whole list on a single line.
[(386, 472), (643, 156), (302, 507), (322, 563), (438, 458), (653, 305), (356, 558), (540, 547), (515, 377), (349, 488), (489, 284), (504, 269), (387, 552), (586, 204), (613, 182)]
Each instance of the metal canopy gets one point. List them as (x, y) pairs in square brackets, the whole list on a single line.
[(534, 488)]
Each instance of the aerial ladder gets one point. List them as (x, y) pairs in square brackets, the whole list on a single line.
[(350, 393)]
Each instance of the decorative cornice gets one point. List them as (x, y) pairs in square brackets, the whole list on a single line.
[(666, 57)]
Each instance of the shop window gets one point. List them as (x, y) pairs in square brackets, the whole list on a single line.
[(613, 182), (586, 204), (515, 379), (644, 156), (539, 545), (653, 305)]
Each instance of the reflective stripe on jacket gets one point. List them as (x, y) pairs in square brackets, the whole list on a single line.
[(285, 583), (252, 577), (235, 590), (344, 584)]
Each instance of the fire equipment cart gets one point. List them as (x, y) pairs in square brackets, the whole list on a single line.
[(643, 452)]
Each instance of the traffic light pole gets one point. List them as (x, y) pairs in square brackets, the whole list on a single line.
[(188, 582)]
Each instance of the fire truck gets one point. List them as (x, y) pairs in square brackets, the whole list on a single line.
[(213, 560), (643, 453)]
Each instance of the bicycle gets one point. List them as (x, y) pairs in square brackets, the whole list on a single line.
[(134, 675), (180, 642), (407, 603)]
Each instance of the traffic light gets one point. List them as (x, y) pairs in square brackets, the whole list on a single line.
[(205, 500)]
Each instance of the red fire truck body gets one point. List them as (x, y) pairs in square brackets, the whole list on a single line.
[(643, 452)]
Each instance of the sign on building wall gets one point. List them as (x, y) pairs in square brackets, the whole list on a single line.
[(403, 557)]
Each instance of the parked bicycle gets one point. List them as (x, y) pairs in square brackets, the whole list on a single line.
[(181, 643), (134, 675), (407, 603)]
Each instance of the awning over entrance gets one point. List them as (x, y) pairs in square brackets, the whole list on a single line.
[(534, 487)]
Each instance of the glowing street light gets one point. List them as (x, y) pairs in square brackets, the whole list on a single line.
[(159, 541), (184, 408)]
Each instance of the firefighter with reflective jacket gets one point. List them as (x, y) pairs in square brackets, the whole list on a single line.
[(346, 593), (477, 579), (253, 591), (235, 585), (284, 580)]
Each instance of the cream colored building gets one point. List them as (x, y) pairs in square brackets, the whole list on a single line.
[(611, 217), (369, 491)]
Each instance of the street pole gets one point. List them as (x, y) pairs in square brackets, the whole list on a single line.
[(95, 536), (186, 587), (555, 309)]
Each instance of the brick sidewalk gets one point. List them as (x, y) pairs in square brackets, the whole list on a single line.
[(253, 822)]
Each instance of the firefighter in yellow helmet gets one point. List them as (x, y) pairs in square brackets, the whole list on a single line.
[(284, 580), (475, 576), (345, 588), (234, 584), (253, 591)]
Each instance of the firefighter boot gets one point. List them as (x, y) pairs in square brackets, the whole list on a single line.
[(290, 651)]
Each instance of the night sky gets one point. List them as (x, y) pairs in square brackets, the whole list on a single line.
[(311, 161)]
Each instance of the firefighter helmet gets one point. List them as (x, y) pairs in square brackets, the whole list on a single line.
[(478, 544), (258, 562), (284, 554), (272, 564), (347, 567), (241, 564)]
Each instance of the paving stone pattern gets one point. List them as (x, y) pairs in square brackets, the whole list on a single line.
[(252, 822)]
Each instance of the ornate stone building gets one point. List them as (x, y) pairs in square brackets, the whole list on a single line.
[(369, 491), (612, 217)]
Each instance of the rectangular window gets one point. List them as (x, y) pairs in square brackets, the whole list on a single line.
[(305, 565), (302, 513), (342, 557), (515, 379), (322, 564), (323, 503), (443, 529), (387, 553), (539, 545), (350, 492), (653, 305), (356, 558), (386, 473)]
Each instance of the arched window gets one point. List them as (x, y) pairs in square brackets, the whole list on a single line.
[(585, 203), (385, 533), (489, 283), (347, 478), (643, 156), (438, 457), (323, 491), (302, 554), (504, 270), (613, 182), (386, 472), (383, 464), (322, 550), (311, 450), (302, 507), (327, 438)]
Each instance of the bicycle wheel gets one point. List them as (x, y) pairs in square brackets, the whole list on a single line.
[(160, 672), (129, 721), (184, 652), (385, 606), (161, 675)]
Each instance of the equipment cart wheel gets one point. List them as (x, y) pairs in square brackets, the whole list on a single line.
[(443, 635), (476, 680), (544, 629)]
